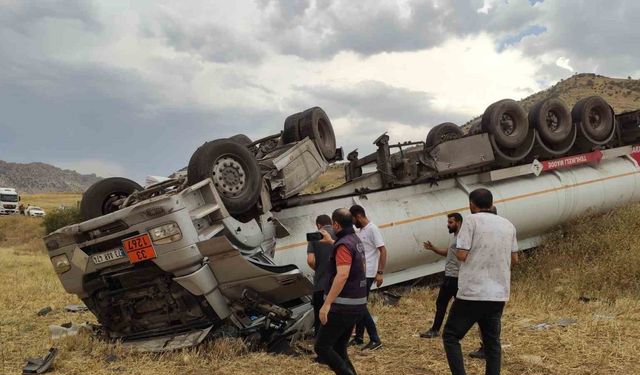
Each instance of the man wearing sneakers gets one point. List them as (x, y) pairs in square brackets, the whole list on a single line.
[(487, 247), (376, 257), (449, 286)]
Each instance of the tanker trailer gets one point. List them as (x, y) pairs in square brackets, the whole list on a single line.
[(218, 248)]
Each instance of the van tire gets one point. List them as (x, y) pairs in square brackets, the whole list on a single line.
[(100, 197)]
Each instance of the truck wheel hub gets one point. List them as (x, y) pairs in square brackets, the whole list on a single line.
[(228, 176), (594, 119), (553, 123), (507, 124)]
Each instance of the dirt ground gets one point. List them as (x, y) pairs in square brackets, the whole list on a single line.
[(587, 274)]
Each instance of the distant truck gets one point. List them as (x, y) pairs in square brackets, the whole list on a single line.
[(9, 199)]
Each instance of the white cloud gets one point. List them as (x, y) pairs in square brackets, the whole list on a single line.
[(487, 6), (563, 62)]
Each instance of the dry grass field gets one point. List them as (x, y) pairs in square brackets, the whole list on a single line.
[(588, 271)]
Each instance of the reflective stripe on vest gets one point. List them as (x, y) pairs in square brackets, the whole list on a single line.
[(349, 301)]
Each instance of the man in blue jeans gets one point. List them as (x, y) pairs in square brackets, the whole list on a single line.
[(486, 248), (376, 255)]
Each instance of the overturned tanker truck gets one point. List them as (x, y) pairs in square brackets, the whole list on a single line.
[(218, 248)]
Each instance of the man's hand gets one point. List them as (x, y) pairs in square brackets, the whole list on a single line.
[(326, 237), (324, 313), (428, 246), (379, 280)]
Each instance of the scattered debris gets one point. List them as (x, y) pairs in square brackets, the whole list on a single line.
[(541, 326), (76, 308), (69, 329), (40, 365), (45, 311), (586, 299), (532, 359), (603, 317), (566, 322), (390, 298)]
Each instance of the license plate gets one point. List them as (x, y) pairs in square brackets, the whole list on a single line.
[(108, 256), (139, 248)]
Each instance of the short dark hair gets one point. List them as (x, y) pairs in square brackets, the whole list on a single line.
[(323, 220), (482, 198), (357, 209), (456, 216), (343, 217)]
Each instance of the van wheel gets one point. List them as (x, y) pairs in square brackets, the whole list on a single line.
[(104, 196), (507, 121), (233, 169), (443, 132)]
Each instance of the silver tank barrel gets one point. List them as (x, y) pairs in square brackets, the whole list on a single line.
[(413, 214)]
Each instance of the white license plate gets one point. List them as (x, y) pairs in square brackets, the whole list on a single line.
[(108, 256)]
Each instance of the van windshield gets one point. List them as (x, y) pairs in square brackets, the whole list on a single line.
[(8, 198)]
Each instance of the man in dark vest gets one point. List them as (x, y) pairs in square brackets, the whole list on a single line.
[(346, 298)]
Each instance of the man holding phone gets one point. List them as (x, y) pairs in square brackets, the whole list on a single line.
[(318, 257), (346, 299)]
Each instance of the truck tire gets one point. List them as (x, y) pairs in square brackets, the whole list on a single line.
[(242, 139), (507, 122), (443, 132), (291, 131), (100, 198), (315, 124), (233, 169), (596, 117), (552, 119)]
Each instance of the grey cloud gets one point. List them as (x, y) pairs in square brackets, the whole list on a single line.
[(378, 101), (372, 107), (211, 42), (593, 35), (24, 15), (66, 112)]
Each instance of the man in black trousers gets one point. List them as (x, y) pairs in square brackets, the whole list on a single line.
[(449, 286), (486, 248), (318, 256), (346, 298)]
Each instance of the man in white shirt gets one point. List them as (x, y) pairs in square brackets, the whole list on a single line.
[(486, 248), (376, 257)]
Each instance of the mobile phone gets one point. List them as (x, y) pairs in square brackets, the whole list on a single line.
[(314, 236)]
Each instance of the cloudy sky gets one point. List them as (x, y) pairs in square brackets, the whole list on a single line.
[(133, 88)]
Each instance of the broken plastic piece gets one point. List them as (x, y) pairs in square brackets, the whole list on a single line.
[(76, 308), (69, 329), (45, 311), (40, 365)]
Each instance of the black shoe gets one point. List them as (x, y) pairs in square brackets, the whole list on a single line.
[(356, 342), (429, 334), (478, 354), (320, 361), (372, 345)]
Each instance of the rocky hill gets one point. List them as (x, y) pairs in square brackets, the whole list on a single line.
[(623, 94), (43, 178)]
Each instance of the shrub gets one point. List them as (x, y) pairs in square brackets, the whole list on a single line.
[(59, 218)]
